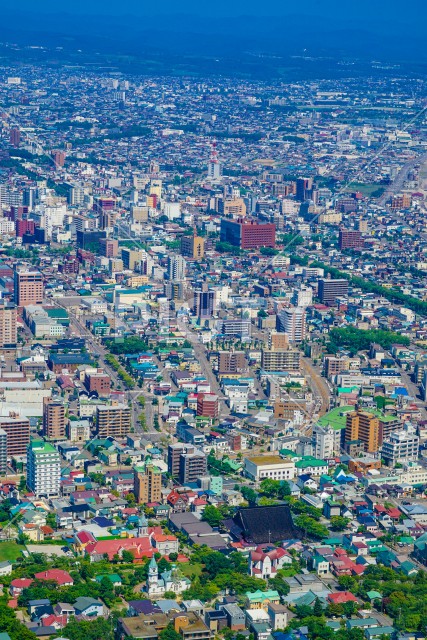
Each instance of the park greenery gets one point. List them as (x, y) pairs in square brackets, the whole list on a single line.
[(360, 340)]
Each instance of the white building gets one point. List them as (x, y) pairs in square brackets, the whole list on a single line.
[(401, 446), (292, 322), (302, 297), (171, 580), (270, 466), (176, 267), (326, 441), (43, 469)]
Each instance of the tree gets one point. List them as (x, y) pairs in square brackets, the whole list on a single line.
[(51, 520), (173, 557), (99, 629), (347, 583), (127, 556), (317, 608), (269, 487), (169, 633), (249, 494), (339, 523), (310, 527), (212, 515)]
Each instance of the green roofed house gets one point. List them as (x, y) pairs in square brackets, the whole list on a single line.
[(114, 578), (261, 599), (311, 465), (373, 595)]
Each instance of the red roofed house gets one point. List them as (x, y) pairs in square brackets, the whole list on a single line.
[(140, 547), (164, 544), (82, 539), (18, 585), (62, 578), (341, 597), (265, 564)]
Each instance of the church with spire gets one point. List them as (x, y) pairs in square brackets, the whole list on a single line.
[(169, 580)]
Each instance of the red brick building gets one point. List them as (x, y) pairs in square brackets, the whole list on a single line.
[(208, 405)]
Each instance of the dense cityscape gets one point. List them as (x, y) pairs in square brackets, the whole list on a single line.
[(213, 356)]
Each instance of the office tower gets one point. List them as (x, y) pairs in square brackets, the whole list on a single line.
[(113, 420), (18, 433), (292, 321), (131, 258), (28, 287), (302, 297), (148, 484), (176, 268), (329, 290), (349, 239), (90, 239), (208, 405), (154, 167), (193, 247), (231, 362), (363, 426), (15, 137), (3, 452), (53, 419), (43, 469), (304, 188), (203, 302), (248, 234), (8, 330), (109, 248), (401, 446), (280, 360)]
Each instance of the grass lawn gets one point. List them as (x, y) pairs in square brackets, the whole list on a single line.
[(10, 550), (191, 570)]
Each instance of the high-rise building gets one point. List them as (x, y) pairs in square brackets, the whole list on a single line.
[(248, 234), (232, 207), (15, 137), (176, 267), (3, 452), (401, 447), (59, 158), (113, 420), (326, 441), (43, 469), (214, 165), (194, 463), (329, 290), (291, 320), (349, 239), (304, 188), (53, 420), (363, 426), (231, 362), (192, 466), (109, 247), (28, 287), (280, 360), (131, 257), (8, 330), (148, 484), (208, 405), (302, 297), (193, 247), (18, 433), (204, 302), (278, 340), (99, 382)]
